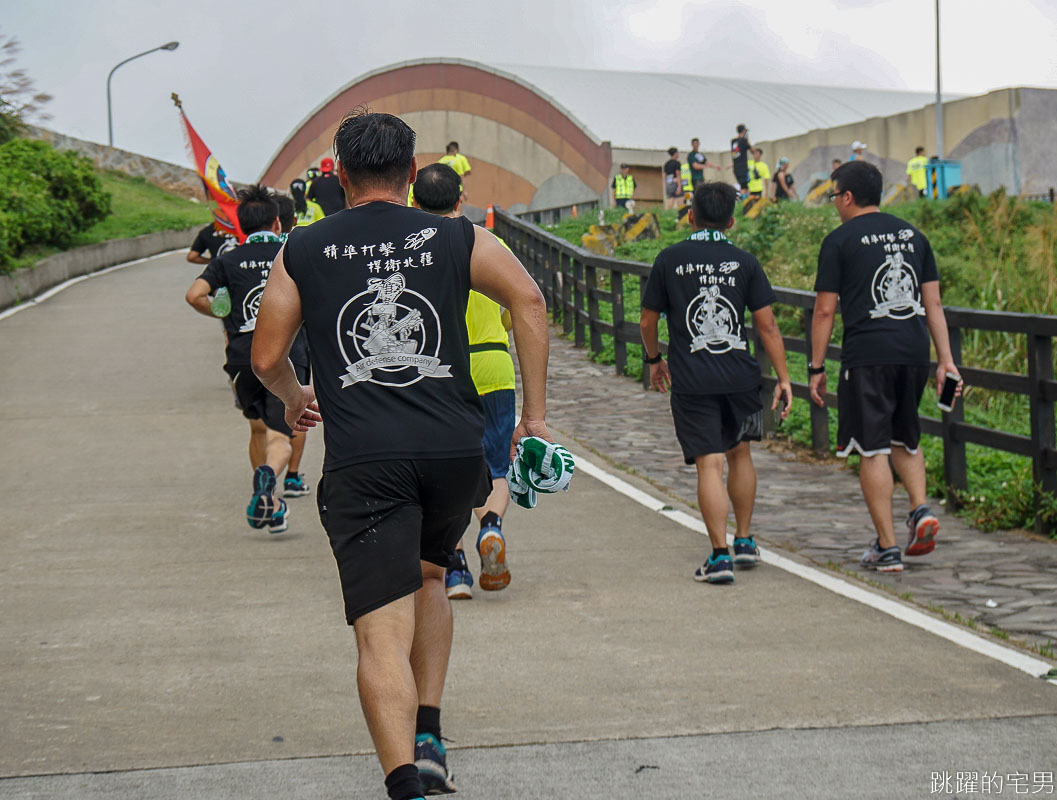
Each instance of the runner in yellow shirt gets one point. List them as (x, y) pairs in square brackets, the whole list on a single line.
[(759, 175), (458, 162), (437, 190), (307, 211)]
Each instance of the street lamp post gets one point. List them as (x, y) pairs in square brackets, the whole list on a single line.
[(109, 114), (939, 96)]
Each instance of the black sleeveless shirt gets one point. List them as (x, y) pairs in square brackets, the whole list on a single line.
[(383, 292)]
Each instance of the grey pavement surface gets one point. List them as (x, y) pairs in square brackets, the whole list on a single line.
[(814, 508), (153, 645)]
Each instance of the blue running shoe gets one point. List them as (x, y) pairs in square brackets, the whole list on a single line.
[(459, 580), (295, 486), (432, 763), (746, 553), (718, 569), (262, 505), (280, 521), (887, 560)]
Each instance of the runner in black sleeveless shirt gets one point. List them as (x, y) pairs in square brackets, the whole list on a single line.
[(382, 290)]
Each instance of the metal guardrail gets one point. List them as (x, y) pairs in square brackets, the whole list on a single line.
[(549, 216), (574, 282)]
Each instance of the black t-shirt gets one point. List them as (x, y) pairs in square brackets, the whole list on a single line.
[(781, 181), (703, 285), (244, 271), (696, 175), (672, 167), (877, 263), (383, 292), (326, 190), (739, 154), (210, 240)]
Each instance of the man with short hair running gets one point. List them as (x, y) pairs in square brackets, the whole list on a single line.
[(210, 243), (492, 370), (382, 290), (883, 272), (704, 285), (244, 272)]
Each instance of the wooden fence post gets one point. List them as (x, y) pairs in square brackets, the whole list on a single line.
[(578, 301), (645, 366), (955, 466), (1040, 368), (568, 315), (766, 368), (620, 348), (591, 281)]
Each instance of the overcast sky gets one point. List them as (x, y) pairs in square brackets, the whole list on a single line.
[(248, 71)]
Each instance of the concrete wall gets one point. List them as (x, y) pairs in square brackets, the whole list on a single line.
[(1003, 139), (24, 284), (170, 177)]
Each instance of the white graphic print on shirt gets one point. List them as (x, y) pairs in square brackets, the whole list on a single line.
[(251, 304), (713, 320), (895, 290), (392, 330)]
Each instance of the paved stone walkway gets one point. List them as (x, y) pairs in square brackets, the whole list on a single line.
[(812, 508)]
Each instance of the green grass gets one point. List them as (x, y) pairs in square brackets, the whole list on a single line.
[(993, 252), (137, 207)]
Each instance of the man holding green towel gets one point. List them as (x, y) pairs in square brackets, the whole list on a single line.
[(704, 285)]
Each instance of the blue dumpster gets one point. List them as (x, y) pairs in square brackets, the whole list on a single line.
[(943, 177)]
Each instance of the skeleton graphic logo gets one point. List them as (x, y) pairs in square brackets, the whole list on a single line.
[(714, 323), (392, 332), (895, 290)]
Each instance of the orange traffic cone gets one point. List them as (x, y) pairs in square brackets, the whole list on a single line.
[(575, 212), (489, 218)]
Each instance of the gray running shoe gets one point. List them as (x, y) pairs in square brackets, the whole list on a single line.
[(887, 560)]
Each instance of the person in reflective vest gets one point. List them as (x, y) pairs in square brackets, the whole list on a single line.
[(688, 181), (623, 186), (916, 171)]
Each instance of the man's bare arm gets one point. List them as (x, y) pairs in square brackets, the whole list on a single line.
[(771, 337), (278, 321), (196, 258), (660, 376), (496, 273), (937, 322), (821, 330), (198, 296)]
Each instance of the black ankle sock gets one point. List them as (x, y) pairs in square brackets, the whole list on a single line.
[(291, 476), (493, 519), (720, 551), (428, 721), (403, 784)]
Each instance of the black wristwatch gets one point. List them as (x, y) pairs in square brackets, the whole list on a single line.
[(655, 360), (815, 370)]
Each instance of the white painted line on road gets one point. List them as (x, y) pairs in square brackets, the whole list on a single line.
[(952, 633), (54, 290)]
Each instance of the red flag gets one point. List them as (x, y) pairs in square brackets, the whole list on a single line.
[(218, 190)]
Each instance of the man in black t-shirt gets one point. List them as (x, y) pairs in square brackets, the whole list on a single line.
[(382, 291), (883, 272), (212, 241), (704, 285), (697, 161), (243, 271), (739, 155), (326, 189)]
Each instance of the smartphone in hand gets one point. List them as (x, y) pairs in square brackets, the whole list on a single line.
[(950, 386)]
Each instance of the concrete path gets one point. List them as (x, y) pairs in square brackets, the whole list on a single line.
[(148, 634), (1004, 579)]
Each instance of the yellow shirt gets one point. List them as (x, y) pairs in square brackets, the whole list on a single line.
[(457, 162), (916, 171), (758, 173), (314, 212), (491, 370)]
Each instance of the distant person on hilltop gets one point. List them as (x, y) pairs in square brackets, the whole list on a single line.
[(883, 272), (759, 174), (458, 162), (739, 155), (783, 182), (326, 189), (834, 164), (916, 171), (623, 187), (673, 185), (858, 151), (697, 161)]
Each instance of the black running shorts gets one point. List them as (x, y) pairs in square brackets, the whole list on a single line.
[(742, 177), (256, 402), (384, 517), (716, 423), (877, 407)]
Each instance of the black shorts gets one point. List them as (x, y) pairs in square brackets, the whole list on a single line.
[(716, 423), (622, 202), (384, 517), (742, 177), (256, 402), (877, 407)]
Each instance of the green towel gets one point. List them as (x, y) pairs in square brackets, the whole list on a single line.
[(538, 466)]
